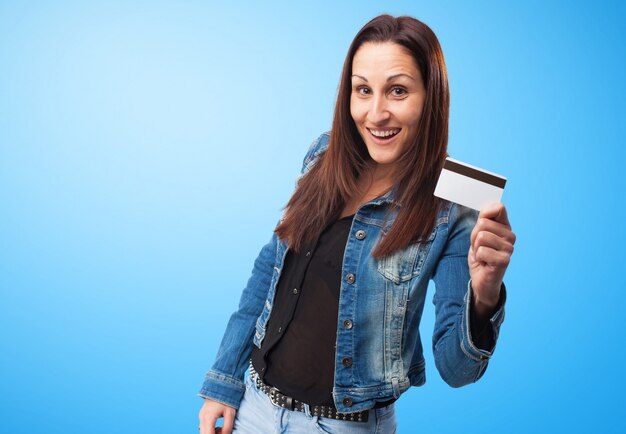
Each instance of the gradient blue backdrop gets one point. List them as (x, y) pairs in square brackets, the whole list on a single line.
[(146, 150)]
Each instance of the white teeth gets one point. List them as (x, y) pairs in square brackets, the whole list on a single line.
[(384, 133)]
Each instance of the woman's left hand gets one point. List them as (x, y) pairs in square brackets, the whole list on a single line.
[(490, 252)]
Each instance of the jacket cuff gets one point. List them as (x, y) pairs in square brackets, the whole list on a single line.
[(222, 388), (467, 345)]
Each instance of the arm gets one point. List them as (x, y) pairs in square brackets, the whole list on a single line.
[(224, 381), (457, 357), (481, 329)]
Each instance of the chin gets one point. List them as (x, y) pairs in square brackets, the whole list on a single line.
[(383, 159)]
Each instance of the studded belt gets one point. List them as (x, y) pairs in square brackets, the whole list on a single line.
[(284, 401)]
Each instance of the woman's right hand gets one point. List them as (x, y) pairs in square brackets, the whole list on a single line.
[(210, 412)]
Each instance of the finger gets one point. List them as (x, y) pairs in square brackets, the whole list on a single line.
[(489, 239), (229, 420), (207, 425), (495, 211), (486, 225), (493, 258), (499, 230)]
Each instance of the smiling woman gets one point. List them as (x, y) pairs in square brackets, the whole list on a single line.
[(329, 320)]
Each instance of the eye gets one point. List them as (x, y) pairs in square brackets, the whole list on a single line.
[(363, 90), (398, 91)]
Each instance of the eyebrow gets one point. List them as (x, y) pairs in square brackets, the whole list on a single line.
[(391, 77)]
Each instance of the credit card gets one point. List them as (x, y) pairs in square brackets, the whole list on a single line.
[(469, 185)]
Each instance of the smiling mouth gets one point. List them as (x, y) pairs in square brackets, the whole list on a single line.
[(384, 136)]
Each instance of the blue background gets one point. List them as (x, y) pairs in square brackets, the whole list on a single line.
[(146, 151)]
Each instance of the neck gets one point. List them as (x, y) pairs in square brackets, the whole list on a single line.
[(375, 181), (380, 177)]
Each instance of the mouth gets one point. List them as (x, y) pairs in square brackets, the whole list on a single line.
[(383, 136)]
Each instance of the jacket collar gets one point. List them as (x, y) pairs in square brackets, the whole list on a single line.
[(389, 197)]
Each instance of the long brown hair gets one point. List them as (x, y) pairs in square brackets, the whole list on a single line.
[(323, 191)]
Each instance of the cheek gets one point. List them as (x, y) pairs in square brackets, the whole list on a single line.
[(417, 113), (356, 110), (412, 118)]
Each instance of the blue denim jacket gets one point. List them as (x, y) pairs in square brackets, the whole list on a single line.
[(383, 299)]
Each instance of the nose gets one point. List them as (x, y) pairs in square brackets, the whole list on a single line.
[(378, 112)]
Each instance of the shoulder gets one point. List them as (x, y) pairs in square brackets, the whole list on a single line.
[(317, 148)]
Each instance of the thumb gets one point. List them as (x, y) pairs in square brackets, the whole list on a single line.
[(495, 211)]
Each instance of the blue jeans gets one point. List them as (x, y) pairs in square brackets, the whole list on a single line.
[(257, 415)]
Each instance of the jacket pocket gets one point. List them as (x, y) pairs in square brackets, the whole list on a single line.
[(403, 265)]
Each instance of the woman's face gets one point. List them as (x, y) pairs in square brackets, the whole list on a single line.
[(386, 100)]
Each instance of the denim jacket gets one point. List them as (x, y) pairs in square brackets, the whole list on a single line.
[(380, 307)]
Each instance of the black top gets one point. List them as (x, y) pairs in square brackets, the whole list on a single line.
[(297, 355)]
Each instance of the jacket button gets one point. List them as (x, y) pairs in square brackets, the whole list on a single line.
[(360, 234), (347, 323), (347, 362), (295, 290), (347, 402), (350, 278)]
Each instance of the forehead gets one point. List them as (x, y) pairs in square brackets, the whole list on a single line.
[(385, 58)]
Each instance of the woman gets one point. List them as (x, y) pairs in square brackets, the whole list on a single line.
[(329, 320)]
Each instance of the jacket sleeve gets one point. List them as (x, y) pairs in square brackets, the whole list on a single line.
[(224, 381), (458, 360)]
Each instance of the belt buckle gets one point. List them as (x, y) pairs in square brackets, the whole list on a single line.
[(272, 395), (288, 401)]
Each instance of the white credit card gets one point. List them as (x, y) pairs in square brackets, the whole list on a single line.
[(469, 185)]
